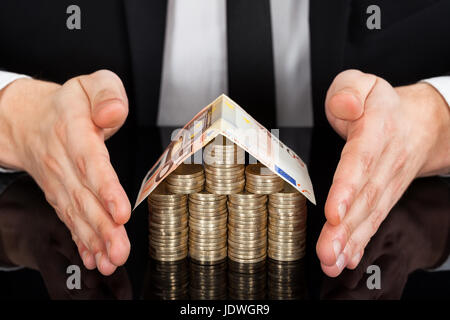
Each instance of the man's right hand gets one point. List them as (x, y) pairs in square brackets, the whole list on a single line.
[(57, 133)]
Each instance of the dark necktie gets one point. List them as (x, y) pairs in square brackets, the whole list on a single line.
[(251, 81)]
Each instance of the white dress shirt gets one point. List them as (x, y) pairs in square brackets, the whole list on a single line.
[(195, 60)]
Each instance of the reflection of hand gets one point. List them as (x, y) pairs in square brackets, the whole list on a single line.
[(33, 237), (56, 133), (393, 136), (414, 236)]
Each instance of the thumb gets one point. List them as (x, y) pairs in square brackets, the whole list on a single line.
[(347, 95), (108, 99)]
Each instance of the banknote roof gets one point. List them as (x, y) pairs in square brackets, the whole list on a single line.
[(225, 117)]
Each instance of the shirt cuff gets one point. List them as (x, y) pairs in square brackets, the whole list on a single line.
[(8, 77), (5, 79), (4, 170), (442, 85)]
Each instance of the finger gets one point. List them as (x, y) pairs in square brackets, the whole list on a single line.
[(58, 198), (108, 99), (86, 256), (95, 245), (358, 158), (347, 95), (354, 262), (112, 235), (366, 206), (83, 232), (365, 231), (94, 170), (333, 240)]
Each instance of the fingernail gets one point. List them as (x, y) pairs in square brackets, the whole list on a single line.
[(342, 208), (340, 262), (111, 208), (356, 258), (98, 257), (84, 256), (337, 248)]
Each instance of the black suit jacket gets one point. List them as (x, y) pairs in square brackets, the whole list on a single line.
[(127, 36)]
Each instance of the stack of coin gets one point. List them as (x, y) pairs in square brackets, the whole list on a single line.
[(246, 281), (187, 178), (261, 180), (224, 167), (208, 282), (167, 280), (168, 224), (247, 227), (287, 225), (207, 227), (286, 280)]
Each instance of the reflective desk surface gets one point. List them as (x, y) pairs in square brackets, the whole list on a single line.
[(414, 238)]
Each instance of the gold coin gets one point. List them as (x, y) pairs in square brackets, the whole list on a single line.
[(288, 192), (211, 252), (206, 196), (255, 260), (260, 190), (282, 258), (210, 228), (283, 233), (224, 167), (246, 245), (246, 196), (187, 183), (253, 207), (246, 254), (168, 222), (168, 233), (301, 203), (292, 237), (185, 190), (219, 221), (285, 207), (259, 170), (206, 234), (161, 193), (265, 182), (167, 202), (247, 235), (210, 207), (224, 191), (187, 171), (216, 183), (208, 241), (252, 185), (290, 222)]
